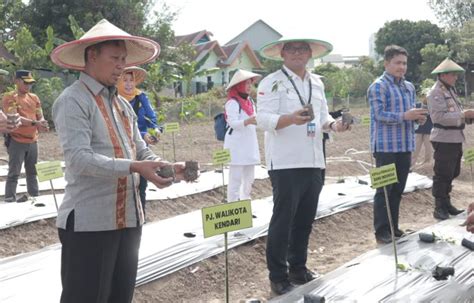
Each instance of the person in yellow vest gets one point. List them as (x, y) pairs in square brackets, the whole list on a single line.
[(447, 136), (22, 143)]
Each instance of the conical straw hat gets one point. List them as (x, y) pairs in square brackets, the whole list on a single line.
[(139, 74), (448, 66), (272, 50), (139, 50), (241, 75)]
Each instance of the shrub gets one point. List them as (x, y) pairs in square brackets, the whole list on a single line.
[(48, 90)]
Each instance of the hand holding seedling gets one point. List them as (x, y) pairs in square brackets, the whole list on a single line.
[(340, 126), (300, 116), (179, 171), (418, 114), (43, 125), (149, 139), (152, 136), (187, 171), (10, 122), (148, 168)]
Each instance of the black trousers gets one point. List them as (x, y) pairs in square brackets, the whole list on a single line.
[(142, 189), (99, 267), (295, 198), (447, 166), (402, 162)]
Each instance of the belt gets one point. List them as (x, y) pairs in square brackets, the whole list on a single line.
[(460, 127)]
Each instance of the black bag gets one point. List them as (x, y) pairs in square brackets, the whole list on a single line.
[(221, 126)]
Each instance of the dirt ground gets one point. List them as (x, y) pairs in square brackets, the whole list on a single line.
[(334, 241)]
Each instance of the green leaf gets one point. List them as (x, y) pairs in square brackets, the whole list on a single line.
[(274, 86), (402, 267)]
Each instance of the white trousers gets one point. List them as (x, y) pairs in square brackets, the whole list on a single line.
[(241, 178)]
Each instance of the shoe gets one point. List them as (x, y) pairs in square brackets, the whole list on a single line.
[(399, 233), (441, 213), (10, 199), (23, 198), (281, 287), (453, 211), (383, 238), (302, 276)]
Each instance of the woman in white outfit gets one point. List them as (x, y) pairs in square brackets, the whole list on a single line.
[(241, 136)]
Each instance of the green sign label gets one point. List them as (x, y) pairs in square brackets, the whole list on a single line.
[(227, 217), (221, 157), (49, 170), (365, 120), (383, 175), (171, 127), (469, 155)]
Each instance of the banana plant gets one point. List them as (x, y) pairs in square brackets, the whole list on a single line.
[(189, 70)]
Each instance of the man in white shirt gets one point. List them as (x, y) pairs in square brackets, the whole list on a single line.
[(292, 109)]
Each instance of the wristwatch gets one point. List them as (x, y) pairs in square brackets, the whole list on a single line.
[(33, 122)]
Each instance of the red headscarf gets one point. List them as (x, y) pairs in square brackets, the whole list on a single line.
[(236, 92)]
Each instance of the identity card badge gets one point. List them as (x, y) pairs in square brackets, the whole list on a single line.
[(311, 129)]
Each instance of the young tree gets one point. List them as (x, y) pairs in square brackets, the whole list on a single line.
[(413, 36), (11, 12), (367, 64), (453, 13), (129, 15), (432, 55), (360, 80), (189, 70), (461, 42), (28, 53)]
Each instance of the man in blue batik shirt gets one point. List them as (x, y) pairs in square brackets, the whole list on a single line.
[(393, 115)]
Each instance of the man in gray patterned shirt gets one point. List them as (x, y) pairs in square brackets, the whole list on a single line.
[(100, 219)]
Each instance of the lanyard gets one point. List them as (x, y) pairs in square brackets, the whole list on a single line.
[(294, 86)]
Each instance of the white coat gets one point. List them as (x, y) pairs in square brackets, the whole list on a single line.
[(242, 143)]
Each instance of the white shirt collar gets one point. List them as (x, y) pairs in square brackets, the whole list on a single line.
[(295, 76)]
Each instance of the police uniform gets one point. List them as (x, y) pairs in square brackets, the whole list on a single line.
[(446, 137)]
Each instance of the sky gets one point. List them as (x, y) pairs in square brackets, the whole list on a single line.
[(347, 25)]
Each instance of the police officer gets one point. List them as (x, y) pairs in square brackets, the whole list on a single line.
[(449, 119)]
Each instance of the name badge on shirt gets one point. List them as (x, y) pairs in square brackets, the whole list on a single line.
[(311, 129)]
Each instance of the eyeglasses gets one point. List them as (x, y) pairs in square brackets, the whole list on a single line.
[(293, 49)]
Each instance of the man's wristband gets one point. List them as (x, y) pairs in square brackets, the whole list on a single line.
[(331, 124)]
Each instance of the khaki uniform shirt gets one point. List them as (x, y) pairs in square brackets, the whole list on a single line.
[(445, 110), (27, 106)]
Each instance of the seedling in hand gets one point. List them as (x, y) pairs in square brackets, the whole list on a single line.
[(309, 111)]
